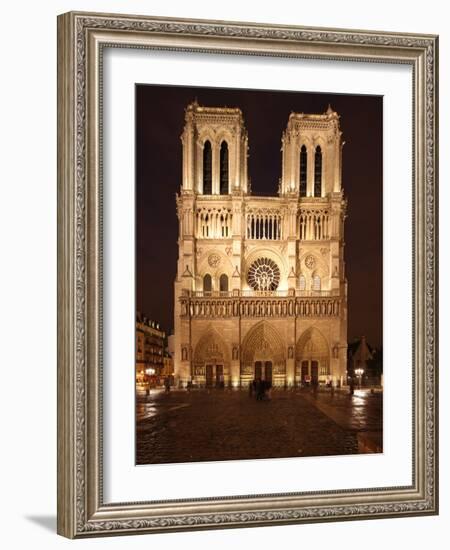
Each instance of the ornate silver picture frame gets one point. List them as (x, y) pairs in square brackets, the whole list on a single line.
[(82, 41)]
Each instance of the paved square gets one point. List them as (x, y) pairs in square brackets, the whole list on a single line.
[(230, 425)]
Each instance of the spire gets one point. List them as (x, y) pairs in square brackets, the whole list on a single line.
[(192, 106)]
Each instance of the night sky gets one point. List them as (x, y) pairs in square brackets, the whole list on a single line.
[(159, 124)]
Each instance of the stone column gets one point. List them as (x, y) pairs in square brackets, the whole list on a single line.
[(244, 181), (337, 162), (190, 156), (185, 169), (198, 151), (283, 164)]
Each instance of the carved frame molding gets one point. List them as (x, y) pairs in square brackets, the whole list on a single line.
[(81, 38)]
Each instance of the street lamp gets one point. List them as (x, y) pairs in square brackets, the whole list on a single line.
[(359, 372), (149, 372)]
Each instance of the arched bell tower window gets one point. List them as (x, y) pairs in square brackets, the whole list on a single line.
[(207, 283), (303, 170), (207, 168), (224, 168), (318, 172), (223, 283)]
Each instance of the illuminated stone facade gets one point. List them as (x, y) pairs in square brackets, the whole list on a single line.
[(260, 289)]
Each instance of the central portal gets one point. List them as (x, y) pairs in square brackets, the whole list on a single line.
[(214, 375), (263, 356), (263, 370)]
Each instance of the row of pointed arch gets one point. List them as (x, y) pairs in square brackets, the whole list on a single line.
[(224, 170), (263, 339), (315, 282), (317, 189), (208, 283)]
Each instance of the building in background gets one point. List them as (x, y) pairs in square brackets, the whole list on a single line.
[(149, 352), (365, 363), (171, 344), (169, 366), (168, 370), (260, 290)]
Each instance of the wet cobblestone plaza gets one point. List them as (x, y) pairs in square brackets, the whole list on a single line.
[(204, 425)]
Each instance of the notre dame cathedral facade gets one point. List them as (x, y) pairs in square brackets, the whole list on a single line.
[(260, 290)]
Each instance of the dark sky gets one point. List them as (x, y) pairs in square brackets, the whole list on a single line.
[(159, 124)]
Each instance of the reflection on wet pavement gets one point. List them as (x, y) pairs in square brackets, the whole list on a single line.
[(145, 410), (228, 424)]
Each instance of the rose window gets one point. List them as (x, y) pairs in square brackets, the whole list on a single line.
[(264, 274)]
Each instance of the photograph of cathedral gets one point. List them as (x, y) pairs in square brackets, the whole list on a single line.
[(260, 290), (259, 253)]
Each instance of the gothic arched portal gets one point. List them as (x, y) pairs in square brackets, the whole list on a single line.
[(312, 357), (211, 364), (263, 355)]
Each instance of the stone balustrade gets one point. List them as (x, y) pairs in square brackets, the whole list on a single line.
[(257, 306)]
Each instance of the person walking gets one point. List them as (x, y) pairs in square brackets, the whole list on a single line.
[(167, 384), (259, 389), (352, 386)]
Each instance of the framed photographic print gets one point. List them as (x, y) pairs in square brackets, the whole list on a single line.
[(247, 274)]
